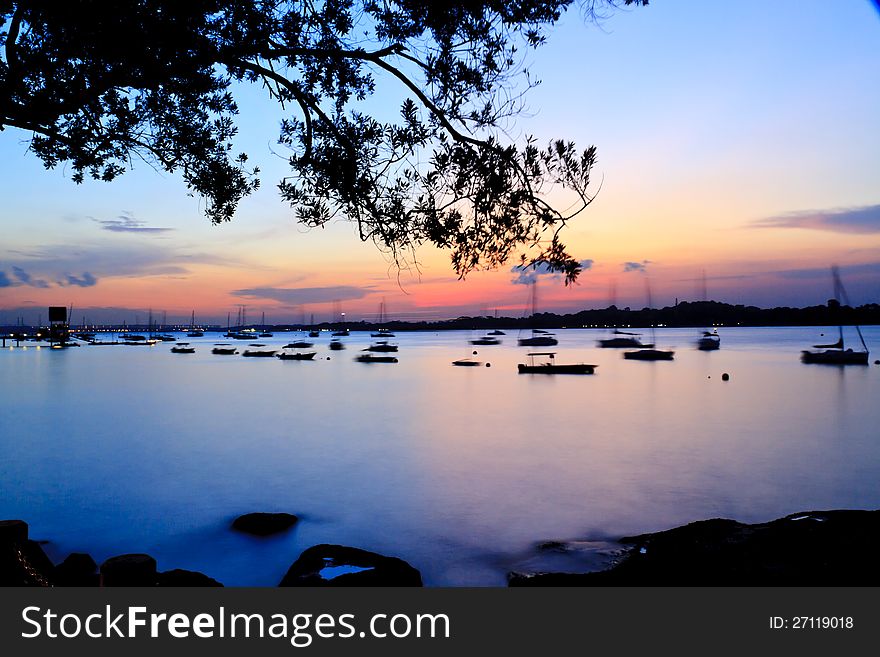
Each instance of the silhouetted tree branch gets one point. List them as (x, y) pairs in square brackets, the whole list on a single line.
[(97, 85)]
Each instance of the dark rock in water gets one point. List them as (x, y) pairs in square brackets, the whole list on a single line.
[(816, 548), (129, 570), (553, 546), (22, 561), (13, 532), (264, 524), (337, 565), (189, 578), (77, 569)]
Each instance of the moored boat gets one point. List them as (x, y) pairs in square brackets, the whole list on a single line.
[(551, 367)]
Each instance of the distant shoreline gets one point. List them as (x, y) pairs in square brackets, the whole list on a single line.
[(687, 314)]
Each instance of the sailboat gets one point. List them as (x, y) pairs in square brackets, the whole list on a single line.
[(383, 332), (837, 353), (193, 331), (539, 337), (623, 340), (709, 340), (265, 333), (649, 353)]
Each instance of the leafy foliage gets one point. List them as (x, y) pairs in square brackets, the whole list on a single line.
[(99, 85)]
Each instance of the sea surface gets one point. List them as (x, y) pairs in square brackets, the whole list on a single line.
[(462, 471)]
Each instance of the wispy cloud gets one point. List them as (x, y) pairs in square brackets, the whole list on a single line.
[(636, 266), (4, 280), (126, 223), (26, 279), (86, 280), (295, 296), (530, 274), (859, 220)]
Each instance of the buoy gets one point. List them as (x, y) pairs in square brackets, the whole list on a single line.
[(725, 377), (475, 352), (488, 364), (328, 357)]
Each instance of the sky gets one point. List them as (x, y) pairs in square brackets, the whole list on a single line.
[(738, 145)]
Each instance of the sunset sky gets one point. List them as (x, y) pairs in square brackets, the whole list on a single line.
[(736, 139)]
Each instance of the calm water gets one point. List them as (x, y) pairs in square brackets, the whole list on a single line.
[(460, 471)]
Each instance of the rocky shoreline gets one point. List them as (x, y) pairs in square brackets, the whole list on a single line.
[(814, 548)]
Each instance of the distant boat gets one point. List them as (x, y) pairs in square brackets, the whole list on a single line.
[(300, 344), (551, 367), (649, 352), (296, 355), (341, 333), (336, 345), (539, 338), (224, 350), (837, 353), (496, 332), (182, 348), (487, 340), (265, 333), (381, 346), (258, 353), (709, 341), (629, 341), (166, 338), (193, 331), (466, 362), (314, 334), (370, 358), (381, 319)]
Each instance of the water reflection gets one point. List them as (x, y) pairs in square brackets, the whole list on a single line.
[(460, 471)]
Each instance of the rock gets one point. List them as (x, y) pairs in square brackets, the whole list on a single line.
[(22, 563), (188, 578), (816, 548), (129, 570), (264, 524), (337, 565), (77, 569), (13, 532)]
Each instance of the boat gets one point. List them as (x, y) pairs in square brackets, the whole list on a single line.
[(837, 353), (624, 340), (314, 334), (299, 344), (182, 348), (258, 353), (381, 319), (486, 340), (551, 367), (539, 337), (709, 341), (166, 338), (649, 354), (336, 345), (223, 349), (381, 346), (496, 332), (193, 331), (296, 355), (264, 333), (466, 362), (371, 358), (340, 334)]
